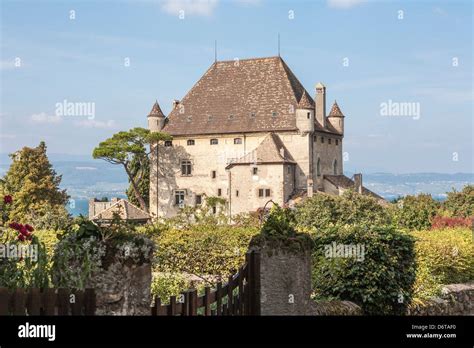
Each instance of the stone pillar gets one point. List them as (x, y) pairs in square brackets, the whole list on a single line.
[(285, 281), (122, 289)]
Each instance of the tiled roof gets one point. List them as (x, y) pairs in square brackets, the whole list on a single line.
[(335, 110), (346, 183), (305, 102), (270, 150), (126, 211), (156, 110), (249, 95)]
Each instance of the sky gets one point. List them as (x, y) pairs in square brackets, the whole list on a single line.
[(118, 57)]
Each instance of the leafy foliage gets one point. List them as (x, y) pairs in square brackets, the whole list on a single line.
[(202, 250), (322, 211), (129, 149), (278, 231), (377, 283), (85, 248), (448, 254), (33, 270), (416, 212), (460, 204), (34, 184)]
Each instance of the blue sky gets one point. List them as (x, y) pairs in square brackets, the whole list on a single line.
[(421, 55)]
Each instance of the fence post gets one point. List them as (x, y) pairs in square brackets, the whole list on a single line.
[(256, 282)]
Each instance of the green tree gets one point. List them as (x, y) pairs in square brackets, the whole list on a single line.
[(460, 204), (34, 185), (416, 212), (123, 147)]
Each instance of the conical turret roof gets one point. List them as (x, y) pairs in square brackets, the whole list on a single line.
[(156, 110), (335, 111)]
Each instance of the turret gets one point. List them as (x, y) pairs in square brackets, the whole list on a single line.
[(336, 118), (305, 114), (321, 104), (156, 118)]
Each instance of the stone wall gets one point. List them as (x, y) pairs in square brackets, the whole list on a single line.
[(456, 299)]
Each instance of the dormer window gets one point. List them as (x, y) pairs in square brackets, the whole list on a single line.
[(214, 141), (190, 142), (237, 141), (168, 143), (231, 117), (189, 118), (274, 114), (209, 118), (253, 115)]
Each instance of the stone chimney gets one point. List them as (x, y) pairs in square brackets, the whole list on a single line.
[(358, 182), (320, 101)]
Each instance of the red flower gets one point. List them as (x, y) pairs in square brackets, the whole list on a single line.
[(24, 230), (8, 199), (15, 226)]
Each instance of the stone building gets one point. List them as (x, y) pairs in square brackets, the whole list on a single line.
[(104, 211), (249, 132)]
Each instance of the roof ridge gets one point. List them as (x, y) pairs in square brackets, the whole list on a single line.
[(294, 80), (246, 59)]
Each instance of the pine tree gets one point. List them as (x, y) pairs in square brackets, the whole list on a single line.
[(34, 185), (140, 170)]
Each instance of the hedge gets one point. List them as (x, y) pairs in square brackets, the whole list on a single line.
[(381, 283)]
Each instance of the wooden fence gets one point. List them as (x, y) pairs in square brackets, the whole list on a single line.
[(36, 301), (239, 296)]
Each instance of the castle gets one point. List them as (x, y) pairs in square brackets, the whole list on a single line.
[(248, 132)]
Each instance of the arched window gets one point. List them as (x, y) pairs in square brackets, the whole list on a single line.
[(335, 167), (318, 167)]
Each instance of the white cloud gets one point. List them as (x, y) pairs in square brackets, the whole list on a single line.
[(190, 7), (345, 4), (96, 124), (43, 117)]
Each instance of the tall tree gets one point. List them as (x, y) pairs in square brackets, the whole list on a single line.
[(140, 170), (125, 147), (34, 185)]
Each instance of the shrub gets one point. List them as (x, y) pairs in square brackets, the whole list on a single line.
[(440, 222), (416, 212), (460, 204), (86, 248), (23, 270), (279, 231), (202, 250), (165, 285), (448, 254), (379, 281), (322, 211)]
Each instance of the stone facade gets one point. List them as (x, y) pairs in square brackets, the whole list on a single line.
[(228, 116)]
